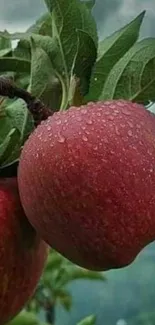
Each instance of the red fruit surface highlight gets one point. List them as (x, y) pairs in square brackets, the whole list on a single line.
[(87, 182), (22, 253)]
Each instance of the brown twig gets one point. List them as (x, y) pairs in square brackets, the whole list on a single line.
[(38, 110)]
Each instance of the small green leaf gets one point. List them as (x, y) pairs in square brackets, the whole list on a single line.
[(64, 298), (84, 60), (5, 125), (5, 43), (23, 49), (90, 4), (20, 118), (133, 76), (110, 51), (89, 320), (54, 261), (25, 318), (67, 17), (8, 147), (77, 273), (4, 52), (42, 26), (14, 64), (43, 83)]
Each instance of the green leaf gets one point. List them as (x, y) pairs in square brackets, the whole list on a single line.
[(111, 50), (89, 320), (46, 27), (42, 26), (5, 125), (8, 147), (5, 43), (67, 17), (15, 127), (133, 76), (23, 49), (90, 4), (14, 64), (25, 318), (43, 83), (77, 273), (54, 261), (64, 298), (20, 118), (4, 52), (85, 59)]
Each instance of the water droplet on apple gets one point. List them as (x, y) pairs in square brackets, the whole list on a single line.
[(58, 122), (117, 131), (130, 124), (84, 138), (126, 111), (111, 117), (61, 139), (84, 111), (130, 133), (89, 122)]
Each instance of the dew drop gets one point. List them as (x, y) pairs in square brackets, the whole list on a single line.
[(104, 161), (107, 113), (58, 122), (130, 133), (89, 122), (84, 111), (130, 124), (61, 139), (49, 128), (117, 131), (95, 148), (83, 127), (84, 138), (126, 111), (105, 140), (79, 119), (111, 118)]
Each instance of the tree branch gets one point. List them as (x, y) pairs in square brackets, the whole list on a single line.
[(38, 110)]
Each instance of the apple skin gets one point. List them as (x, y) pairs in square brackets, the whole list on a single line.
[(87, 182), (22, 253)]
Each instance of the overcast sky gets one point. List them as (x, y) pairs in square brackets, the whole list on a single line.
[(17, 15)]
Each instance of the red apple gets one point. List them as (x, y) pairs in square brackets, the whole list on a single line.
[(87, 182), (22, 253)]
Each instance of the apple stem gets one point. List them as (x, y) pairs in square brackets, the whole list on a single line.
[(38, 110)]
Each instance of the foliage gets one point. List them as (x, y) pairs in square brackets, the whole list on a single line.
[(62, 62)]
